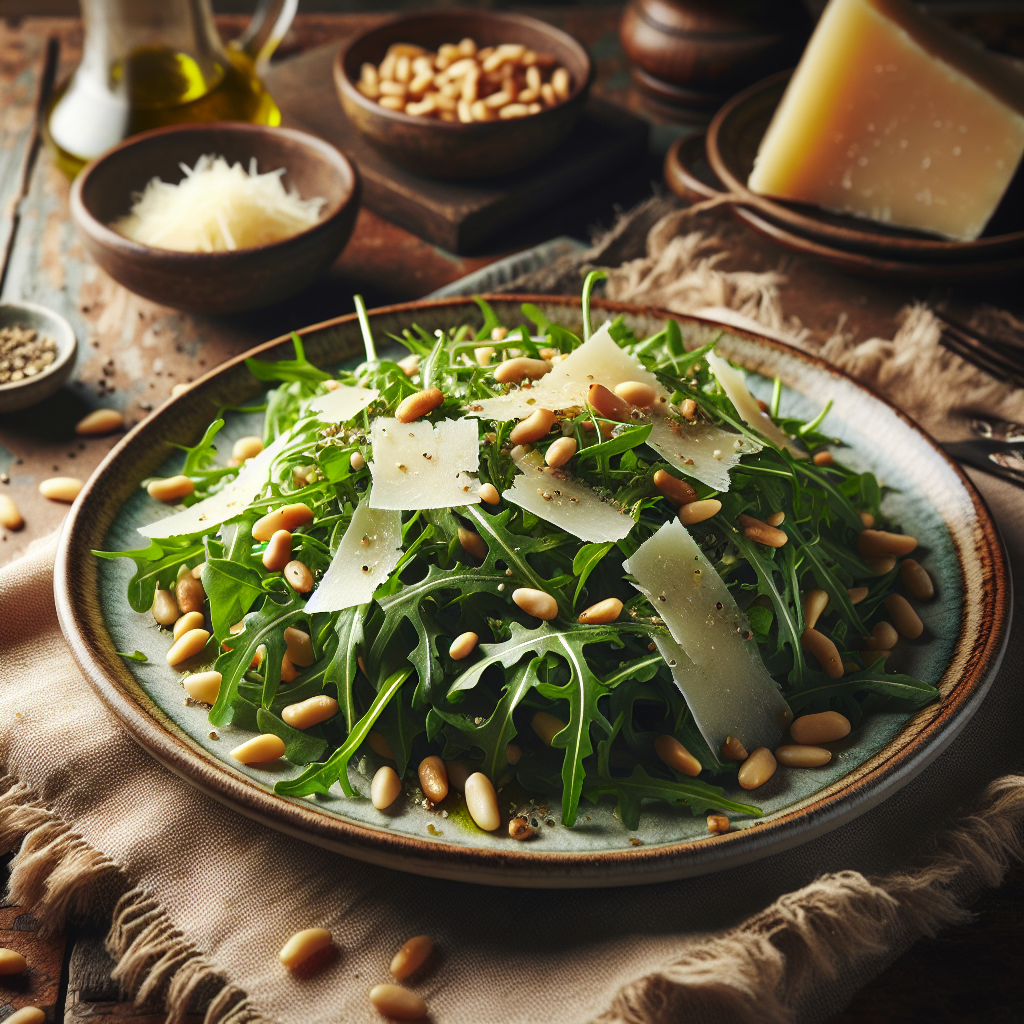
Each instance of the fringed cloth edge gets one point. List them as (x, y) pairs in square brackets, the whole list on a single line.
[(754, 973)]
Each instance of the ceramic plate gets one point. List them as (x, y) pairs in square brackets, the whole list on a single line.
[(965, 633)]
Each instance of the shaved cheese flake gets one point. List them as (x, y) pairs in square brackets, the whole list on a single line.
[(419, 465), (366, 556), (717, 666), (563, 501), (700, 450), (341, 404), (599, 360), (230, 501), (217, 207), (739, 394)]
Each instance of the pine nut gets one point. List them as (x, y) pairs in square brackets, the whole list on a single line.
[(534, 427), (489, 493), (385, 788), (867, 519), (776, 519), (463, 646), (560, 452), (190, 620), (718, 824), (433, 779), (607, 404), (189, 592), (302, 945), (390, 102), (10, 517), (673, 488), (636, 393), (12, 962), (278, 552), (165, 608), (287, 517), (411, 363), (548, 94), (733, 750), (61, 488), (300, 647), (289, 673), (535, 603), (762, 533), (299, 576), (757, 769), (171, 489), (482, 802), (100, 421), (814, 603), (262, 748), (688, 409), (878, 543), (675, 755), (379, 744), (197, 571), (411, 956), (857, 594), (484, 354), (519, 828), (512, 371), (697, 511), (203, 686), (357, 462), (26, 1015), (904, 618), (824, 650), (472, 543), (823, 459), (603, 612), (420, 404), (246, 448), (883, 637), (310, 712), (881, 566), (397, 1002), (824, 727), (546, 726), (561, 83), (459, 772), (795, 755), (188, 645), (513, 752), (914, 575)]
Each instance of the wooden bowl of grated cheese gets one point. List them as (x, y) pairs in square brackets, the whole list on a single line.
[(217, 218)]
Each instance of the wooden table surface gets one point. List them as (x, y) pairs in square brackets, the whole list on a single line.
[(133, 351)]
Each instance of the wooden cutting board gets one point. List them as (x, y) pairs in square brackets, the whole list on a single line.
[(457, 216)]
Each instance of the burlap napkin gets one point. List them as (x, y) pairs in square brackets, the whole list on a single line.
[(202, 899)]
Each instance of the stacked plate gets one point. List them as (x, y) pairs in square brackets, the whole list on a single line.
[(706, 167)]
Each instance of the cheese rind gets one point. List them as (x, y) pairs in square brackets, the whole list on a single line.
[(893, 117), (712, 655)]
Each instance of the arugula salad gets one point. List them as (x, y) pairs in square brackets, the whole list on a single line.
[(582, 566)]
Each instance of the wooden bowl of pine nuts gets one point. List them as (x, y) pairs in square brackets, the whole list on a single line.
[(463, 95)]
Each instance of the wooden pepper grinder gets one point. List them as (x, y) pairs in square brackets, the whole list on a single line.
[(690, 56)]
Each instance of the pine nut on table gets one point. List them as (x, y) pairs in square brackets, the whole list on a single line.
[(10, 517), (397, 1002), (302, 945), (411, 956)]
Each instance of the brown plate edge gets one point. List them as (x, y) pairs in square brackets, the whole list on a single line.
[(75, 592)]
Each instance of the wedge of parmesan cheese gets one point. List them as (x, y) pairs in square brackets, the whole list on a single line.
[(717, 666), (700, 450), (231, 500), (366, 556), (557, 498), (735, 388), (599, 360), (423, 465), (341, 404)]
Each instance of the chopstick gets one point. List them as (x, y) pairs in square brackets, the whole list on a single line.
[(1002, 359)]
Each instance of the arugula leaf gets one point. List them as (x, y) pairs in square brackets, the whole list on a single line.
[(233, 589), (155, 564), (300, 747), (299, 369), (631, 437), (902, 691), (134, 656), (586, 561), (341, 669)]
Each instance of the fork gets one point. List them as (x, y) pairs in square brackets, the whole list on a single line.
[(999, 358), (998, 449)]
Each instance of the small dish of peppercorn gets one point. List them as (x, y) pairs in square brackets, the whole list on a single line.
[(37, 354)]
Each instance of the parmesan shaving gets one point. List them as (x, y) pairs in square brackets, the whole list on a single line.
[(739, 394), (419, 465), (217, 207), (341, 404), (714, 659), (559, 499), (700, 450), (227, 503), (366, 556)]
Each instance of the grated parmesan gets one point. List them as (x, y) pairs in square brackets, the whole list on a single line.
[(217, 207)]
